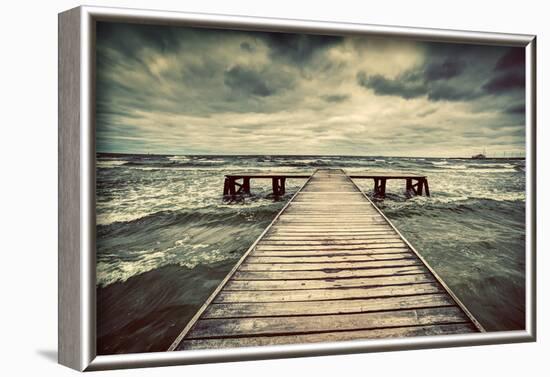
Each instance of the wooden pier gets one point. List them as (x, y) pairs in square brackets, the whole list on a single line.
[(414, 184), (239, 183), (330, 267)]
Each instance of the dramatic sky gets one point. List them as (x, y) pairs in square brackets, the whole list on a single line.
[(170, 90)]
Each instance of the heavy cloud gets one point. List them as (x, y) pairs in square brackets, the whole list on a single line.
[(163, 89)]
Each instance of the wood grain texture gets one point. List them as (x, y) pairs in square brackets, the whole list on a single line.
[(330, 268), (69, 315), (328, 274), (258, 285), (209, 328), (326, 294), (273, 309), (398, 332)]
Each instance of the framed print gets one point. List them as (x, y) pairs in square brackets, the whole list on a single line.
[(235, 188)]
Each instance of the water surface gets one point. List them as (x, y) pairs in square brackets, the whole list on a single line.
[(165, 238)]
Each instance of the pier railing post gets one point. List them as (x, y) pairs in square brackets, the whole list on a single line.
[(408, 186), (426, 187), (379, 187), (246, 185), (231, 186), (226, 186)]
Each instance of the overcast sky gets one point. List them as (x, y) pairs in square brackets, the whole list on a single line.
[(173, 90)]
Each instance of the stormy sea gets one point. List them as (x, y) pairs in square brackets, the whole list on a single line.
[(165, 237)]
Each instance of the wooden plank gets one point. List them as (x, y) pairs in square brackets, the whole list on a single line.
[(327, 218), (332, 233), (330, 223), (333, 227), (274, 309), (328, 274), (326, 294), (373, 175), (332, 252), (326, 229), (365, 246), (328, 259), (266, 175), (321, 242), (394, 332), (246, 266), (322, 237), (267, 285), (206, 328)]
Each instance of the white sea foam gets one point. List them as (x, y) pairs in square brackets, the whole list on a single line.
[(109, 163)]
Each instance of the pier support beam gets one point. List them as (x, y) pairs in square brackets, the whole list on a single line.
[(232, 187), (380, 187), (417, 188), (229, 187), (278, 185)]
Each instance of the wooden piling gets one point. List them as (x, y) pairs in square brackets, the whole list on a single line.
[(415, 184)]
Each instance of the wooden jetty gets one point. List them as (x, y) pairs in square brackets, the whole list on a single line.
[(414, 184), (330, 267), (239, 183)]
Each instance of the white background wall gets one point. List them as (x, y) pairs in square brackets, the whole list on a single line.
[(28, 184)]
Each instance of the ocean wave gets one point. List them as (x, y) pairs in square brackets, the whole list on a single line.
[(192, 217)]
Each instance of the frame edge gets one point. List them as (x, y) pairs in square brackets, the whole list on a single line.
[(88, 360), (69, 258)]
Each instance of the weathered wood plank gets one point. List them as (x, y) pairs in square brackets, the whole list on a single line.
[(246, 266), (329, 233), (329, 223), (206, 328), (332, 252), (326, 294), (395, 332), (364, 246), (329, 259), (363, 241), (323, 237), (325, 228), (328, 274), (266, 285), (273, 309)]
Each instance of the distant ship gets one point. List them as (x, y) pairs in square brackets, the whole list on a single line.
[(480, 156)]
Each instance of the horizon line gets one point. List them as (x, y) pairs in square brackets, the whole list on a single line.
[(301, 155)]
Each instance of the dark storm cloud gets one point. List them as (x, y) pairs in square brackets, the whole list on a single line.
[(509, 73), (128, 39), (407, 85), (298, 48), (247, 81), (505, 82), (513, 59), (445, 92), (446, 69), (516, 109), (418, 83), (163, 89), (247, 47), (335, 98), (449, 74)]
